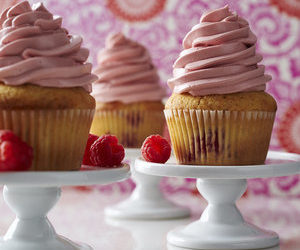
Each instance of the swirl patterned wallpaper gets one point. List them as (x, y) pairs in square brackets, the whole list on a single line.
[(161, 25)]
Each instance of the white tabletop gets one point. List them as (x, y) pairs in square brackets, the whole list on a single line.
[(79, 215)]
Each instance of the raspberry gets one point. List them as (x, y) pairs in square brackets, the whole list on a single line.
[(15, 155), (87, 154), (106, 152), (156, 149)]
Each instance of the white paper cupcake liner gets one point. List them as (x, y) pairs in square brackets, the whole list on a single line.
[(58, 137), (207, 137)]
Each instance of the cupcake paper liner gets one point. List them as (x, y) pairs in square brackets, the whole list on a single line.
[(130, 126), (205, 137), (58, 137)]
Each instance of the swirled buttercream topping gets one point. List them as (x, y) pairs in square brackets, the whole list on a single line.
[(126, 73), (219, 57), (35, 49)]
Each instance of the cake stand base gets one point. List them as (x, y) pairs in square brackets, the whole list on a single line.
[(201, 236), (58, 243), (146, 210)]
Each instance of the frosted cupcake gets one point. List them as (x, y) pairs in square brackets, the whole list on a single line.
[(44, 86), (128, 94), (219, 113)]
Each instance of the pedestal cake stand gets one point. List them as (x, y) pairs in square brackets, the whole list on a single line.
[(146, 202), (221, 225), (31, 195)]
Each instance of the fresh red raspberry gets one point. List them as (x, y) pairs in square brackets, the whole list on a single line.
[(156, 149), (106, 152), (15, 155), (86, 157)]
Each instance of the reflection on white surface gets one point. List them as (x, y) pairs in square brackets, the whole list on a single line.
[(148, 235), (170, 247), (151, 235)]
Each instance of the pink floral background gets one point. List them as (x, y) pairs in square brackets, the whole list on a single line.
[(161, 26)]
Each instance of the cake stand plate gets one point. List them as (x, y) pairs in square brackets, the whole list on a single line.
[(31, 195), (221, 225), (147, 201)]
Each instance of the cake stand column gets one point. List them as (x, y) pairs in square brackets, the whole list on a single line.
[(147, 188), (147, 201), (31, 229), (221, 225)]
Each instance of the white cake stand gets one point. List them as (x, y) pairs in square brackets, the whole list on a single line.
[(31, 195), (221, 225), (147, 201)]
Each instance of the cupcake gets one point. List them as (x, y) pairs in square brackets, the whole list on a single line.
[(128, 94), (219, 112), (44, 86)]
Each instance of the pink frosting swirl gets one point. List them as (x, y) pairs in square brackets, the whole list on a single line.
[(35, 49), (126, 73), (219, 57)]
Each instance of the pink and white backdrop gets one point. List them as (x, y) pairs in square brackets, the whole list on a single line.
[(161, 25)]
